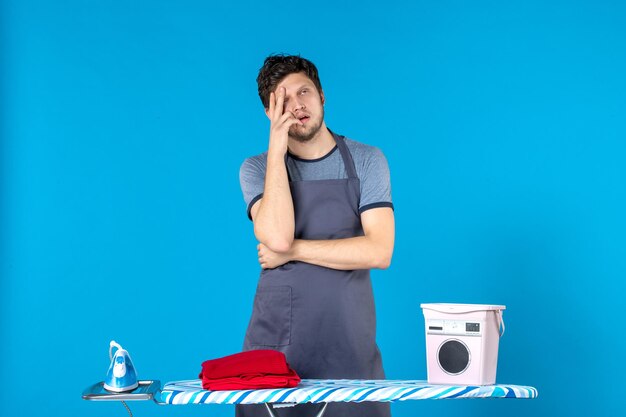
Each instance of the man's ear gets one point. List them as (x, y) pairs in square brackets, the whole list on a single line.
[(267, 112), (322, 97)]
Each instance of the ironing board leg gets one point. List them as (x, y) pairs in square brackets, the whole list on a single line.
[(269, 410), (271, 413), (321, 413)]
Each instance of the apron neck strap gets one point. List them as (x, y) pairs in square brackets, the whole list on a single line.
[(348, 162), (287, 166)]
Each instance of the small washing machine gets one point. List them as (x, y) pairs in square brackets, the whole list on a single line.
[(462, 342)]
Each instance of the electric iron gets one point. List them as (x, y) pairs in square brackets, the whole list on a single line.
[(121, 375)]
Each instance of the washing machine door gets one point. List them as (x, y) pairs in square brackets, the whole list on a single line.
[(453, 356)]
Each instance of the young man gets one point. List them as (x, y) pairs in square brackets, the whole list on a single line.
[(322, 212)]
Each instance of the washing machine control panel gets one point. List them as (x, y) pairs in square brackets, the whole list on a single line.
[(453, 327)]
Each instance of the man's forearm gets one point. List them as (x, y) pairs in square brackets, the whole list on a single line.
[(274, 221), (345, 254)]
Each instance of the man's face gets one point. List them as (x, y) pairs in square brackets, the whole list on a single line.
[(306, 103)]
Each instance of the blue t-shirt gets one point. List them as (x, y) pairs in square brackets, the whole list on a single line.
[(370, 163)]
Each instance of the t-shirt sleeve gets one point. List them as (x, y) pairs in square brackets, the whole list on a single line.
[(252, 181), (375, 182)]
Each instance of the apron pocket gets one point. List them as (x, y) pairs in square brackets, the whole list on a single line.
[(270, 324)]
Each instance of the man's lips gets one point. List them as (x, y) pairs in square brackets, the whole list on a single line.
[(304, 119)]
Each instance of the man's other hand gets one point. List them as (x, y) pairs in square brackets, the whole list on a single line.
[(270, 259)]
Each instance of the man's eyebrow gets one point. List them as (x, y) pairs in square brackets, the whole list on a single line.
[(305, 85), (302, 87)]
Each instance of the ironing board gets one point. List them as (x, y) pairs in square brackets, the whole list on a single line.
[(337, 390), (314, 391)]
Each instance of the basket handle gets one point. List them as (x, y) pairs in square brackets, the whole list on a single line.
[(501, 327)]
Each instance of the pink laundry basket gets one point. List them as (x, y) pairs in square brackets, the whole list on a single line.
[(462, 342)]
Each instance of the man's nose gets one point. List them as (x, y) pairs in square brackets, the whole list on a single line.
[(295, 104)]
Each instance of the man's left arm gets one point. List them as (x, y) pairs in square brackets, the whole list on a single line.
[(373, 250)]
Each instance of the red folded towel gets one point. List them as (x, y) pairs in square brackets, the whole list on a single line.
[(248, 370)]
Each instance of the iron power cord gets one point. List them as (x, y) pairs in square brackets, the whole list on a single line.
[(127, 408)]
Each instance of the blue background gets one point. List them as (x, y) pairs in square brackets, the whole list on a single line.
[(124, 124)]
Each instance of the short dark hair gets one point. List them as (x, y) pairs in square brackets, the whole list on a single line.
[(277, 67)]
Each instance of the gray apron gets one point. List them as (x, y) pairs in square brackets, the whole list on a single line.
[(322, 319)]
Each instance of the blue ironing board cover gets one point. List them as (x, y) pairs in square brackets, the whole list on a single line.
[(337, 390)]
